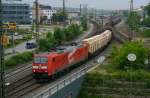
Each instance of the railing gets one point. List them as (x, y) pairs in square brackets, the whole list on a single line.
[(63, 83)]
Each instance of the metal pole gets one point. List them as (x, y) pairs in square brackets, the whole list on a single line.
[(131, 10), (63, 6), (80, 9), (64, 13), (37, 24), (2, 65), (13, 42)]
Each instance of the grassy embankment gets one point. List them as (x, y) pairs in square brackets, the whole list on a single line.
[(107, 81)]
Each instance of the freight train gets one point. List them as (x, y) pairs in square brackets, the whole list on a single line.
[(64, 57), (113, 21)]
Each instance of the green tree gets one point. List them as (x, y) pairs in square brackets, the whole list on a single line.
[(47, 43), (134, 21), (146, 21), (59, 16), (55, 18), (33, 26), (147, 9), (84, 23), (59, 35), (119, 56)]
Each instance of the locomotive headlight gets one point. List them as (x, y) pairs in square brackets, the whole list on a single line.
[(43, 67), (35, 67)]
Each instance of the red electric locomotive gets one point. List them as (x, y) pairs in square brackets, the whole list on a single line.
[(59, 59)]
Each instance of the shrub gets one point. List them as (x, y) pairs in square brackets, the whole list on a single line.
[(47, 43), (146, 33), (119, 56), (60, 35), (18, 59)]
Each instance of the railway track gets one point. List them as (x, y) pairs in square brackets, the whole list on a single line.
[(24, 85), (28, 85), (25, 69), (21, 77)]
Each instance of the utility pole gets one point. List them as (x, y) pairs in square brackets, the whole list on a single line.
[(95, 14), (102, 20), (2, 64), (13, 42), (37, 24), (131, 10), (64, 10), (130, 39), (63, 6), (131, 5), (80, 9)]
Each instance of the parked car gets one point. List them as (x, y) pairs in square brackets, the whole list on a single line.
[(31, 45)]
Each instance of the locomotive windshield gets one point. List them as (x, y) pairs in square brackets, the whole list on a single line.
[(40, 60)]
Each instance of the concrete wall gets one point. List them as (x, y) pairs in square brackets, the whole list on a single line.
[(71, 91)]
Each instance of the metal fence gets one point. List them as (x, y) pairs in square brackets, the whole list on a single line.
[(70, 79), (63, 83)]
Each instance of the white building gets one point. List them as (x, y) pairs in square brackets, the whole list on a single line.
[(47, 13)]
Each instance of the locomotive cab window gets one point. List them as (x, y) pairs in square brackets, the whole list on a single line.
[(44, 60), (37, 60), (40, 60)]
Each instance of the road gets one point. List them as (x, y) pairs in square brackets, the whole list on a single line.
[(18, 49), (21, 47), (85, 34)]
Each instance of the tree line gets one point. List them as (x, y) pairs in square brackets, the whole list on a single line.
[(59, 36), (136, 21)]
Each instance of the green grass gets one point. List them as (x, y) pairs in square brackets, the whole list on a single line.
[(146, 33), (109, 81), (18, 59)]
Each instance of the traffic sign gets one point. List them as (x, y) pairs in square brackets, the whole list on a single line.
[(4, 40), (11, 25), (131, 57)]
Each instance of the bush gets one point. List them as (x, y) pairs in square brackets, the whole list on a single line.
[(84, 23), (18, 59), (146, 22), (119, 56), (146, 33), (60, 35), (47, 43), (21, 31)]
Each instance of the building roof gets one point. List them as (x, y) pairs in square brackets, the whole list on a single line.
[(46, 7)]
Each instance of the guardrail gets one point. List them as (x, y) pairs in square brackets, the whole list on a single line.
[(63, 83), (68, 80)]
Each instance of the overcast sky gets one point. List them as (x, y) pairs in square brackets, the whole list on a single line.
[(99, 4)]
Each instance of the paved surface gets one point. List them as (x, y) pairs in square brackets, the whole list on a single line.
[(85, 34), (18, 49)]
